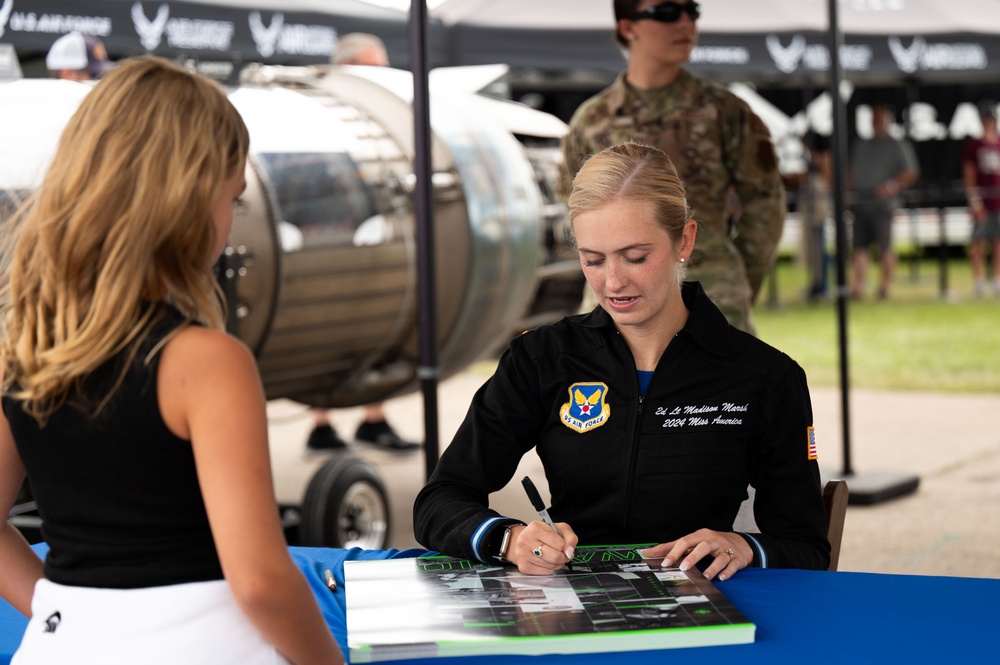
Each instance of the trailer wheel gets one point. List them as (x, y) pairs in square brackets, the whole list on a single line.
[(345, 506)]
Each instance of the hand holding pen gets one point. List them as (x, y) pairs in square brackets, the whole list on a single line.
[(547, 545)]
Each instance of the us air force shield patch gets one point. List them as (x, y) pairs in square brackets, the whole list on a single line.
[(586, 408)]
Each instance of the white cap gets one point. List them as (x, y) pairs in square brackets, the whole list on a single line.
[(77, 51)]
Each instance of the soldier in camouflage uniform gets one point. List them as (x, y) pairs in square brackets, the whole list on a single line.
[(717, 143)]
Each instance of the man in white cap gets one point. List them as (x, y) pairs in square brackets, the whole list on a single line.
[(360, 48), (78, 57)]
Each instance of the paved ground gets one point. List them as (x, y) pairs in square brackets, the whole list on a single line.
[(949, 526)]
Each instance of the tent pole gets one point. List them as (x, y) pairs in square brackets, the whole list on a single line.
[(427, 367), (839, 146), (878, 486)]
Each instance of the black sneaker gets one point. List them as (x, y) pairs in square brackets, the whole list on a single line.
[(382, 434), (323, 437)]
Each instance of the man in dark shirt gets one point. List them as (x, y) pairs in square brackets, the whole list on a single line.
[(880, 169)]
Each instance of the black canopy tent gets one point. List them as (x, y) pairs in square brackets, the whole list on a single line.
[(764, 41), (286, 32)]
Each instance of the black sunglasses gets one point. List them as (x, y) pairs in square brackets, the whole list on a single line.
[(669, 12)]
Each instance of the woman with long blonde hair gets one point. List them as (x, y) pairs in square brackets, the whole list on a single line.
[(138, 421)]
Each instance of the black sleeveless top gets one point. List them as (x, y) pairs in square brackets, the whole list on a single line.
[(118, 493)]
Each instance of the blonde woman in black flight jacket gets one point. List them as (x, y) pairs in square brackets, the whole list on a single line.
[(651, 414)]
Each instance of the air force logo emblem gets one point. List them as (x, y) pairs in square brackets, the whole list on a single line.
[(586, 408)]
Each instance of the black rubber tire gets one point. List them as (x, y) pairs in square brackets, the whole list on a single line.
[(345, 506)]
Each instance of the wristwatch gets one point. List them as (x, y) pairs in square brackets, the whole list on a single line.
[(501, 554)]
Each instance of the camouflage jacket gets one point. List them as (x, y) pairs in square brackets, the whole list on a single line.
[(719, 147)]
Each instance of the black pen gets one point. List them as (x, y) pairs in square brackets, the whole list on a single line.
[(536, 501)]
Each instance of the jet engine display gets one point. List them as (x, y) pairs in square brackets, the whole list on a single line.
[(321, 264)]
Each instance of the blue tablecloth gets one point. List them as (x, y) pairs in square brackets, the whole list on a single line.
[(813, 616)]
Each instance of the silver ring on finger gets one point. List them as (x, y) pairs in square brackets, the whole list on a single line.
[(537, 551)]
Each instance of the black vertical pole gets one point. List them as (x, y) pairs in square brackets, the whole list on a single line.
[(878, 486), (912, 97), (942, 255), (427, 369), (839, 145)]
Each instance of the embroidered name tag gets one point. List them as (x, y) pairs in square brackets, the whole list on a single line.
[(709, 414), (586, 408)]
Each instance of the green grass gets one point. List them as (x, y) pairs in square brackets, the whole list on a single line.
[(916, 340)]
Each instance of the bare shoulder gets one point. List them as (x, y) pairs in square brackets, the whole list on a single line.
[(200, 369), (200, 350)]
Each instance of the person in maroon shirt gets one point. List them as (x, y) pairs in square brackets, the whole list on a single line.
[(981, 174)]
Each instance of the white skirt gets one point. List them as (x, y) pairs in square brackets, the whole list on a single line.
[(181, 624)]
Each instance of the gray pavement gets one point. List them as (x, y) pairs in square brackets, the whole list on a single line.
[(949, 526)]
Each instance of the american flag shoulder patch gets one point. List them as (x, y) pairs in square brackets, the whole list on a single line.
[(811, 436)]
